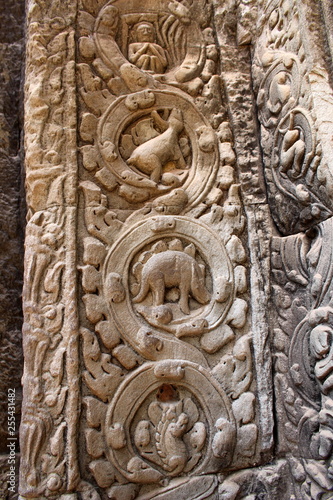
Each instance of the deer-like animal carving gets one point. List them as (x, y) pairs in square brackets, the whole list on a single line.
[(151, 156)]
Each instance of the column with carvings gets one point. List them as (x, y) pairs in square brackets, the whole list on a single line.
[(147, 366), (292, 82), (148, 324)]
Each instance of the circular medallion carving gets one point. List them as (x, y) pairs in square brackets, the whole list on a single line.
[(180, 418), (161, 143), (177, 280)]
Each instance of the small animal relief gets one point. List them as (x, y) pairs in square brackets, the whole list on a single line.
[(155, 153), (174, 282), (150, 143), (170, 280)]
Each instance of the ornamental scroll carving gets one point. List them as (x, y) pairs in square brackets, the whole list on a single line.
[(303, 343), (298, 178), (142, 355), (299, 181)]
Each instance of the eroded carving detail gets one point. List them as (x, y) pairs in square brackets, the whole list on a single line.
[(169, 427), (300, 194), (48, 437), (163, 322), (303, 360), (171, 268), (144, 52), (293, 157)]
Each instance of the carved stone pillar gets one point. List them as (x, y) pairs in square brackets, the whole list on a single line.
[(151, 255), (291, 74)]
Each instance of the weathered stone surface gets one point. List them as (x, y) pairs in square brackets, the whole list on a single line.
[(294, 97), (149, 219), (11, 230), (291, 74), (178, 250)]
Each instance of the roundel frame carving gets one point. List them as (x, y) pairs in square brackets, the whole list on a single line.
[(132, 395), (133, 327), (200, 175), (279, 90), (298, 121), (105, 31)]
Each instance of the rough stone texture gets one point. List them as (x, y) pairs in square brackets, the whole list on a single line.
[(179, 250), (11, 216), (292, 82), (151, 366)]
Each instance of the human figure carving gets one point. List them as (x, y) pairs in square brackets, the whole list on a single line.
[(151, 156), (144, 52), (173, 269), (292, 153)]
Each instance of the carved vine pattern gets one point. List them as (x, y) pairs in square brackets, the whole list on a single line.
[(155, 156), (297, 179), (297, 184), (167, 307)]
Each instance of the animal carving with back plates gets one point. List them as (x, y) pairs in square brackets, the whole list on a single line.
[(169, 269)]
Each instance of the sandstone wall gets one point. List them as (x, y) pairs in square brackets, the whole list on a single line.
[(11, 217), (178, 274)]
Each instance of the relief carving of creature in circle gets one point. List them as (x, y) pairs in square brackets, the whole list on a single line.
[(170, 282), (177, 282), (157, 145), (171, 432), (161, 143), (169, 418)]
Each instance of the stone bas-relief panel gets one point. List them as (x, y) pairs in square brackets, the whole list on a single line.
[(291, 78), (165, 323), (290, 83), (302, 295), (144, 339), (140, 375)]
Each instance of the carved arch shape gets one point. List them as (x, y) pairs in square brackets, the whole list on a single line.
[(105, 31)]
